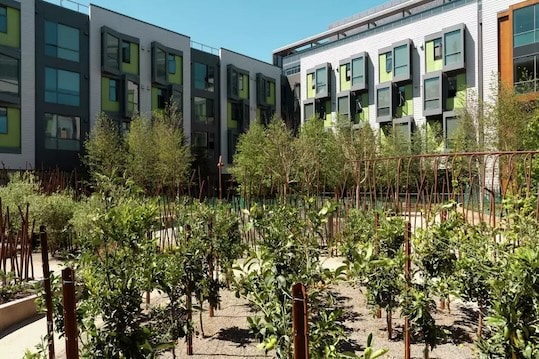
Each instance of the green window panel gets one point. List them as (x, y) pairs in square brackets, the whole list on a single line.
[(345, 78), (243, 86), (231, 123), (106, 103), (363, 115), (131, 67), (456, 94), (9, 75), (62, 41), (10, 21), (62, 87), (160, 97), (62, 132), (433, 55), (175, 69), (10, 130), (385, 63), (405, 101), (310, 85), (270, 99)]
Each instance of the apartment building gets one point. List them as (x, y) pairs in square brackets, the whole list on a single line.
[(409, 63), (61, 67)]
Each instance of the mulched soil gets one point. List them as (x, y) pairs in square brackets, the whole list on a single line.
[(227, 335)]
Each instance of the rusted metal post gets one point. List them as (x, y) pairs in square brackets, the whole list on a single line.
[(407, 235), (47, 288), (70, 313), (300, 321)]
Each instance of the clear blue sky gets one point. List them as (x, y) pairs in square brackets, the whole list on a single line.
[(251, 27)]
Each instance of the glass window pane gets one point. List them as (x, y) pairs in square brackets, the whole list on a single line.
[(453, 46), (160, 64), (68, 43), (3, 19), (523, 20), (432, 88), (358, 69), (171, 64), (344, 106), (62, 132), (308, 111), (3, 120), (523, 39), (389, 62), (200, 76), (132, 97), (112, 58), (9, 75), (383, 97), (524, 69), (401, 60), (321, 79), (126, 52)]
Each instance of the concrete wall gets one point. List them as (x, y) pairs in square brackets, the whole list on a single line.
[(253, 66), (416, 29), (146, 33)]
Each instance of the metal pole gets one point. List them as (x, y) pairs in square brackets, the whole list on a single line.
[(407, 234), (220, 165), (70, 313), (48, 292), (300, 321)]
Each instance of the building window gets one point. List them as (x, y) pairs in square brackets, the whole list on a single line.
[(200, 139), (160, 64), (132, 97), (451, 86), (234, 82), (451, 131), (161, 98), (171, 64), (437, 49), (321, 80), (61, 41), (343, 104), (113, 90), (401, 61), (453, 47), (526, 26), (3, 19), (204, 111), (525, 74), (126, 51), (62, 132), (204, 77), (308, 111), (348, 71), (432, 93), (240, 81), (383, 101), (3, 120), (358, 71), (62, 87), (112, 51), (389, 62), (9, 75)]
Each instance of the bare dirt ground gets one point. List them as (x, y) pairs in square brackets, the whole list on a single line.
[(227, 334)]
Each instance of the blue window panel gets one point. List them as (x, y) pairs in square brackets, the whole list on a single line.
[(3, 19), (62, 87), (3, 120), (171, 64), (113, 90)]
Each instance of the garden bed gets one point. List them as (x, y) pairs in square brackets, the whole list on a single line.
[(17, 311)]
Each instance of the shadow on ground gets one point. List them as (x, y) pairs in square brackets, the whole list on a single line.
[(236, 335)]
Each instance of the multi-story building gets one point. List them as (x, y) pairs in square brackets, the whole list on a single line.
[(409, 63), (60, 68)]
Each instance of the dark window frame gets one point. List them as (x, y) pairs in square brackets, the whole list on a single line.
[(117, 68), (56, 44), (3, 24), (57, 91), (126, 51), (164, 80), (58, 139)]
